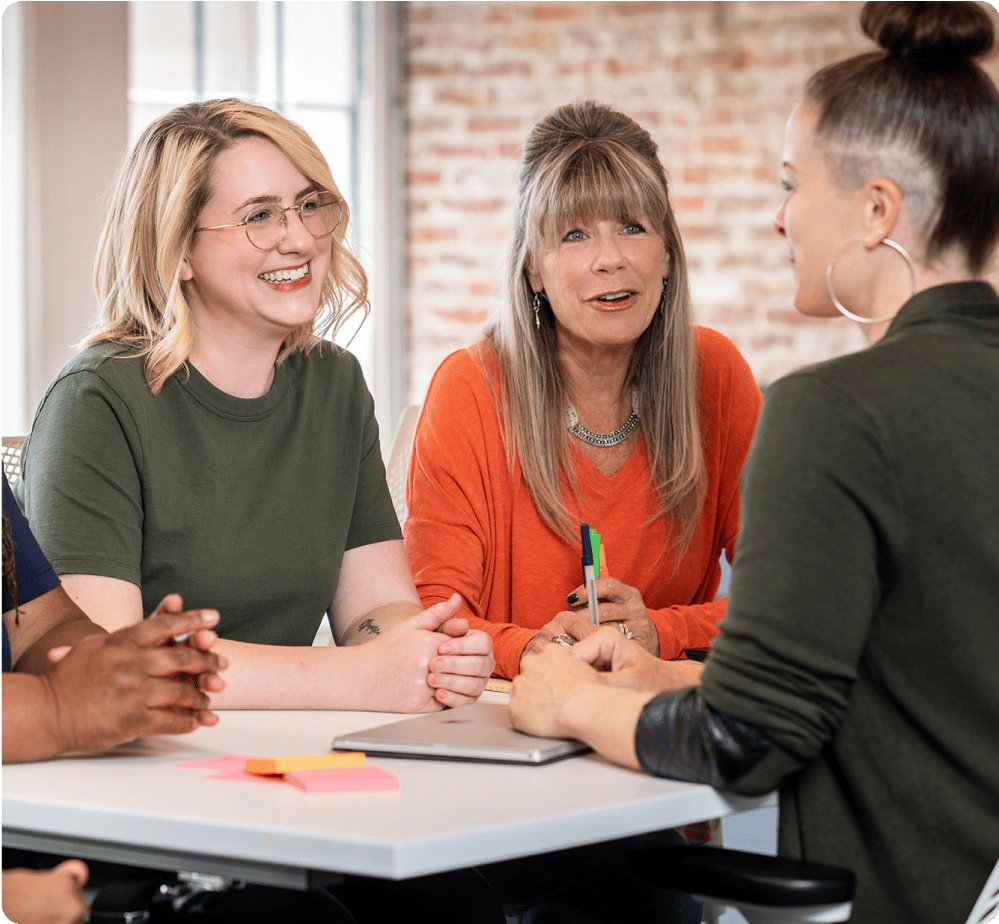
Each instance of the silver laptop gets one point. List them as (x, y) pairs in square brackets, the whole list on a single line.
[(481, 731)]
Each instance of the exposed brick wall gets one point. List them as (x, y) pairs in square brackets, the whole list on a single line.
[(712, 82)]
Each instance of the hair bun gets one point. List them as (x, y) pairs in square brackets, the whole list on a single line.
[(929, 30)]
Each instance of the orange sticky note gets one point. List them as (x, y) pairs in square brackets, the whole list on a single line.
[(276, 765)]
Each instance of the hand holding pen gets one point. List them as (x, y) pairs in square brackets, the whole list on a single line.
[(607, 600)]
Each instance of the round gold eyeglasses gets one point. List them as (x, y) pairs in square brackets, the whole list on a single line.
[(267, 225)]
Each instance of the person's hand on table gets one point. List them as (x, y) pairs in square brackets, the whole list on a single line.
[(619, 603), (546, 682), (559, 693), (51, 896), (107, 689), (559, 626), (433, 661), (629, 665), (464, 661)]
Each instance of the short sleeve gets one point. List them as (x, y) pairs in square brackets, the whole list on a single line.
[(34, 574)]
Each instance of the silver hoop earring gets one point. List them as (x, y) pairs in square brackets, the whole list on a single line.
[(537, 310), (662, 298), (900, 250)]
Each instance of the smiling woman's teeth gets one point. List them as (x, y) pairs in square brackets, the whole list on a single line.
[(615, 297), (285, 275)]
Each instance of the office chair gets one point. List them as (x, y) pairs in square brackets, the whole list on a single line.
[(12, 457), (398, 462), (764, 889)]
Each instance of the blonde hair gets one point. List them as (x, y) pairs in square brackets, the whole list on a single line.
[(156, 198), (583, 161)]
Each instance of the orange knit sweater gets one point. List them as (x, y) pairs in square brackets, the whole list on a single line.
[(473, 527)]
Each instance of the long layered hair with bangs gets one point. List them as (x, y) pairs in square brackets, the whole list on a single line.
[(589, 161), (156, 198)]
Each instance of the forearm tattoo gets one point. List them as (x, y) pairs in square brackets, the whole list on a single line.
[(369, 625)]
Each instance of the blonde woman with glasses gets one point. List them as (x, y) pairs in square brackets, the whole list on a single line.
[(208, 441)]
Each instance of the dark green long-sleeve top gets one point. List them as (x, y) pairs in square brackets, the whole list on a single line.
[(862, 635)]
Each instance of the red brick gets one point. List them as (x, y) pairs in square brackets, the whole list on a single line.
[(724, 144), (696, 174), (448, 96), (559, 12), (423, 177), (468, 316), (474, 205), (535, 42), (430, 235), (459, 150), (493, 123), (688, 203)]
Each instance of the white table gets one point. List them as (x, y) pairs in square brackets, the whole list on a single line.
[(134, 806)]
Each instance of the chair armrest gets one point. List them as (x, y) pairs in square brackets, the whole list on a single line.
[(738, 876)]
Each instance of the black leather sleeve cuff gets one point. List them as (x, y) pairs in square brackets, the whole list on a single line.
[(680, 736)]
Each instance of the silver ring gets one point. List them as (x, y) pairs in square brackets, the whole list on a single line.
[(567, 641), (625, 631)]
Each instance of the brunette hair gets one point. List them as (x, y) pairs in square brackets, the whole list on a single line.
[(160, 190), (923, 113), (583, 161), (9, 571)]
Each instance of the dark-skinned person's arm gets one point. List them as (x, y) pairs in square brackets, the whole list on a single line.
[(75, 687)]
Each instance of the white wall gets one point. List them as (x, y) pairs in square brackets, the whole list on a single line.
[(65, 93)]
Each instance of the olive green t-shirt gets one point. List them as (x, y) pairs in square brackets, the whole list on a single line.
[(242, 505)]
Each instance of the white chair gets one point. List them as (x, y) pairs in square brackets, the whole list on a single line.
[(987, 906), (12, 446), (398, 462)]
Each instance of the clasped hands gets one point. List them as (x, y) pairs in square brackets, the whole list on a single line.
[(434, 658), (552, 680), (111, 688)]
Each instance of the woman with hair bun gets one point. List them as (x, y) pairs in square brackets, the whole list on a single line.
[(856, 667)]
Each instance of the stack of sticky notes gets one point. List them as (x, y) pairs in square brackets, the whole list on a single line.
[(339, 772)]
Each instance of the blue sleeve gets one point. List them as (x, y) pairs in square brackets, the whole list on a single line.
[(33, 573)]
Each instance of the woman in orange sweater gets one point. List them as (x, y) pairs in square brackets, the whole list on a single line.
[(592, 398)]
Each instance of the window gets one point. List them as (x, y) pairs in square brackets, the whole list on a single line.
[(302, 59)]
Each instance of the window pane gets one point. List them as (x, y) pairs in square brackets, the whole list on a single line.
[(161, 47), (140, 115), (230, 37), (332, 133), (318, 53)]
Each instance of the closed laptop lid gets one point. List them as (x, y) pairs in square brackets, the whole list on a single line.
[(481, 731)]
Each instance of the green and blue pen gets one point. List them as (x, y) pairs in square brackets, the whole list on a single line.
[(588, 576)]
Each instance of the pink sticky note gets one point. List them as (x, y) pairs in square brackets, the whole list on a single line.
[(351, 779), (219, 763)]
